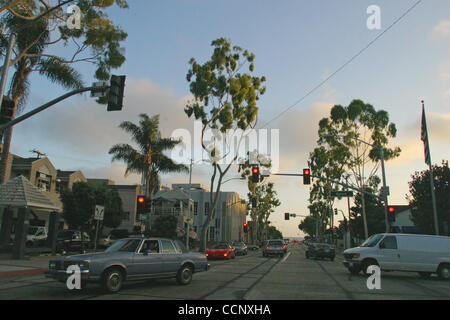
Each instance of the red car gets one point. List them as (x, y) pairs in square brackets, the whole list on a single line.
[(221, 251)]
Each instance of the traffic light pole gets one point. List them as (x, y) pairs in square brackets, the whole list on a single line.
[(47, 105)]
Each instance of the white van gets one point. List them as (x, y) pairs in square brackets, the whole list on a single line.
[(36, 236), (424, 254)]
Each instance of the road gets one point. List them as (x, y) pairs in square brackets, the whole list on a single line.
[(250, 277)]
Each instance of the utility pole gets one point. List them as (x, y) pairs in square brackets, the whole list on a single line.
[(189, 205)]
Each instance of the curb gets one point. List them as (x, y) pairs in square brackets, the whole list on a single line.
[(22, 272)]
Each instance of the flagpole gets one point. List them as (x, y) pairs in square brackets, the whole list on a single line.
[(433, 197)]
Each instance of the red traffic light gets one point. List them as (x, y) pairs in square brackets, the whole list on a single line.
[(255, 170), (306, 172), (141, 199), (245, 224), (391, 209)]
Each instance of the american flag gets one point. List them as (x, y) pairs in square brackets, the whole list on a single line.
[(424, 137)]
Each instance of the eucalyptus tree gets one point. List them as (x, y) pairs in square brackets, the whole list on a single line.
[(350, 140), (96, 41), (225, 101)]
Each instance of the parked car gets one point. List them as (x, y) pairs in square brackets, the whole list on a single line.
[(221, 251), (274, 247), (72, 240), (425, 254), (132, 259), (240, 248), (252, 247), (36, 236), (320, 251)]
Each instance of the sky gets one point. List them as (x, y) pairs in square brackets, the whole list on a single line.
[(297, 44)]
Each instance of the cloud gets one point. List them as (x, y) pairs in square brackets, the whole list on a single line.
[(442, 29), (85, 128), (298, 134)]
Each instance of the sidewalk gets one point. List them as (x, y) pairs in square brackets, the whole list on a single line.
[(32, 265)]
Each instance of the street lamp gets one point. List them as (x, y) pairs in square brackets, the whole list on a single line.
[(383, 173)]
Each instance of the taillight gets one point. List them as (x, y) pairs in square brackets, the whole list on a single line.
[(225, 254), (267, 248), (284, 247)]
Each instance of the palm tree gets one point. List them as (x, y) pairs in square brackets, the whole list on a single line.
[(149, 159), (34, 39)]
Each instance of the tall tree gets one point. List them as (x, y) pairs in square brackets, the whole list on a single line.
[(97, 41), (225, 101), (148, 159), (350, 140), (420, 199), (79, 206), (165, 226)]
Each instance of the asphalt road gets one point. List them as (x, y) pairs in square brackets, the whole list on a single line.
[(250, 277)]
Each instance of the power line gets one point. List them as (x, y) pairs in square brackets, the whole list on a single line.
[(345, 64)]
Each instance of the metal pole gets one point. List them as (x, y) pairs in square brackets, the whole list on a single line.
[(44, 106), (383, 173), (96, 235), (433, 201), (189, 207)]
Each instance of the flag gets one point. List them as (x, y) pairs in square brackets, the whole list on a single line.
[(424, 138)]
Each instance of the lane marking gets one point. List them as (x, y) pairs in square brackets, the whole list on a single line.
[(285, 258)]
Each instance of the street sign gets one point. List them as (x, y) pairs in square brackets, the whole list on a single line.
[(341, 194), (99, 213)]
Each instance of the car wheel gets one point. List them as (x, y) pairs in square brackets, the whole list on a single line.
[(444, 271), (366, 264), (425, 275), (113, 280), (184, 275)]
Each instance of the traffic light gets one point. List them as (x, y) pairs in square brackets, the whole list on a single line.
[(245, 227), (286, 216), (115, 96), (335, 211), (140, 204), (255, 174), (253, 202), (306, 176), (391, 214), (6, 110)]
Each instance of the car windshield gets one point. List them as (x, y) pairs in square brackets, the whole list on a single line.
[(124, 245), (32, 230), (238, 244), (275, 243), (372, 241)]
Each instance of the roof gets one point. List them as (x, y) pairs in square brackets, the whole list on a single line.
[(24, 161), (20, 192), (64, 174), (171, 195)]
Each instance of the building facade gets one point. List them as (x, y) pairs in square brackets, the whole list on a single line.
[(227, 224)]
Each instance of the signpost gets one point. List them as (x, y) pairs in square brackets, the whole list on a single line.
[(98, 215)]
